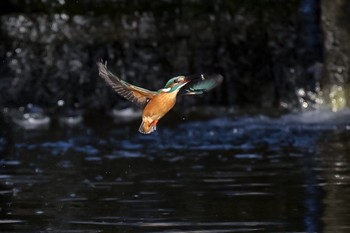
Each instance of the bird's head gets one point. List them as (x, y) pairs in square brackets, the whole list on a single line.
[(174, 84), (205, 83)]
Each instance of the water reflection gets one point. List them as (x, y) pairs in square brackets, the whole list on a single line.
[(249, 174)]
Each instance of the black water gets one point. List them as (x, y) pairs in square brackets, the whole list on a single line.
[(222, 174)]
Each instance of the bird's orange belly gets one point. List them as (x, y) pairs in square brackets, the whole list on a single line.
[(159, 106)]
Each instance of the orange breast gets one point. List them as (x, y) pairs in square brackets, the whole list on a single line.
[(160, 105)]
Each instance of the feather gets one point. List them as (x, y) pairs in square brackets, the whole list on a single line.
[(134, 94), (205, 83)]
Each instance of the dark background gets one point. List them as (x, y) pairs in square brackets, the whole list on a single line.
[(273, 54)]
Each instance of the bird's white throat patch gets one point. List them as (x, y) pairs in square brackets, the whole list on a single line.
[(166, 89)]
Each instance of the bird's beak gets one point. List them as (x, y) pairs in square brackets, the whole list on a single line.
[(183, 80), (195, 77)]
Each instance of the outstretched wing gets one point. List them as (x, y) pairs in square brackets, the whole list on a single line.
[(130, 92), (205, 83)]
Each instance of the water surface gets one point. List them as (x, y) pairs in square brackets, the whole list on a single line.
[(219, 174)]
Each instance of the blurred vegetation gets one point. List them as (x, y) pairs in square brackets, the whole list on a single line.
[(335, 18), (50, 49)]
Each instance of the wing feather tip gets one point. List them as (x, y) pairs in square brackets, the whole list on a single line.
[(102, 68)]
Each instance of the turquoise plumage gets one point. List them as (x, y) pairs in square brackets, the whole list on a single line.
[(206, 83)]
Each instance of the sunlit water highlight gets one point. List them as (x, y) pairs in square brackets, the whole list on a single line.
[(222, 174)]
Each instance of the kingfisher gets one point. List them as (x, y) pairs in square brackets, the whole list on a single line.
[(156, 104)]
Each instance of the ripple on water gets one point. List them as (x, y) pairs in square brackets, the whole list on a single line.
[(10, 221), (164, 225)]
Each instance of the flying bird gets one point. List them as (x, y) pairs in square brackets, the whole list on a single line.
[(156, 104)]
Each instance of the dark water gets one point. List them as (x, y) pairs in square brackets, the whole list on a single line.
[(223, 174)]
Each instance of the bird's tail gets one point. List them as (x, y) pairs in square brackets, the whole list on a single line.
[(147, 128)]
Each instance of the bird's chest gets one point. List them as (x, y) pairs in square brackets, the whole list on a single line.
[(160, 104)]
